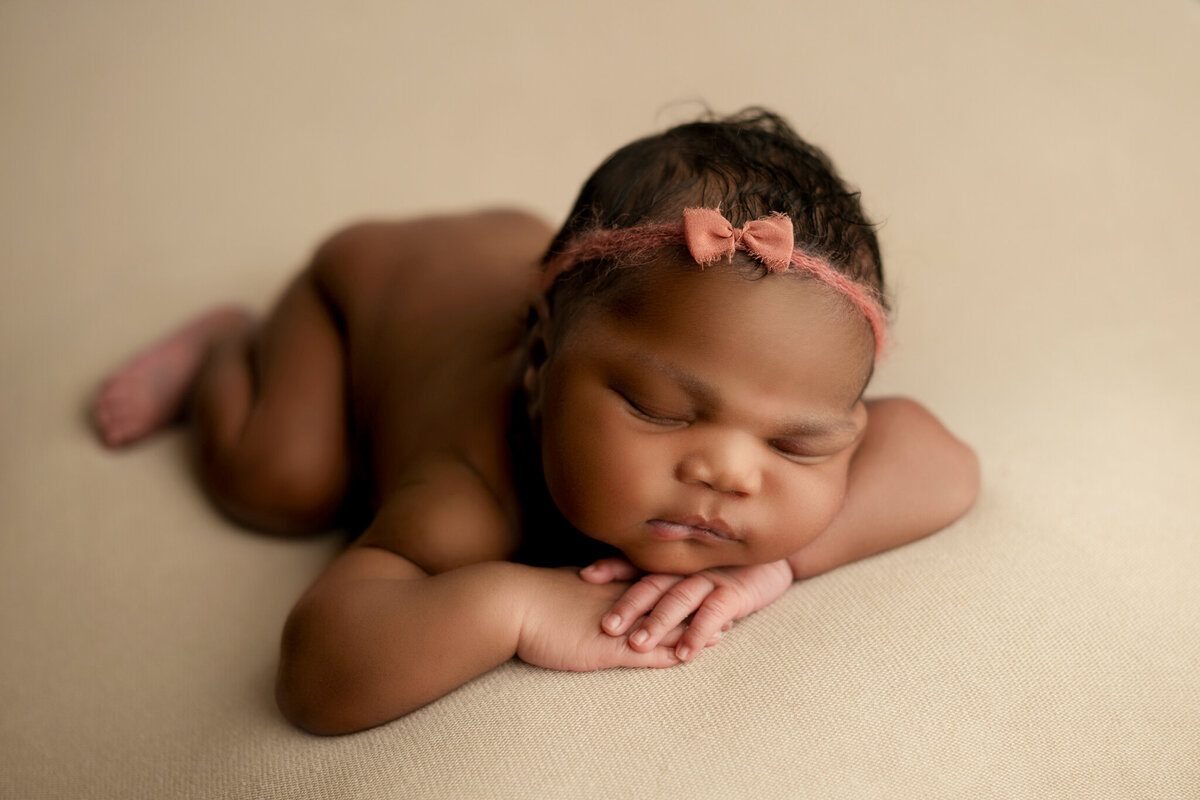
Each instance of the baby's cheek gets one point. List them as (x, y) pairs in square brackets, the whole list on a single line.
[(809, 512), (599, 489), (627, 470)]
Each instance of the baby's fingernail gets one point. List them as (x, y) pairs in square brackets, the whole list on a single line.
[(684, 653), (611, 622), (639, 638)]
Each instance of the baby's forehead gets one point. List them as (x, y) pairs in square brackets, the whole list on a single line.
[(780, 329)]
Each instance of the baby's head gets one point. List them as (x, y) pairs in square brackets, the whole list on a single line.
[(710, 320)]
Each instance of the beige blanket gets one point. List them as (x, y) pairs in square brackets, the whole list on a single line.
[(1035, 167)]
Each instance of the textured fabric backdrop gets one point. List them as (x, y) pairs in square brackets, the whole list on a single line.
[(1034, 166)]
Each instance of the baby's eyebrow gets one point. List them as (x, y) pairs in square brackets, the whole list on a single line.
[(700, 390), (709, 395), (816, 427)]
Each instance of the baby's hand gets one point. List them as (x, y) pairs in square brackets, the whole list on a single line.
[(559, 631), (713, 598)]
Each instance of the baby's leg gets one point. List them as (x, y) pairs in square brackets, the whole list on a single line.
[(268, 407), (270, 415)]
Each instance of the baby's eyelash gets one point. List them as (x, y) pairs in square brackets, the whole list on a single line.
[(793, 453), (643, 413)]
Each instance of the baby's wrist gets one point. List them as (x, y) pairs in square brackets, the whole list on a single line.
[(502, 588), (521, 590)]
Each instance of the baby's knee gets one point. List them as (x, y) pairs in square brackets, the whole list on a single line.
[(284, 490)]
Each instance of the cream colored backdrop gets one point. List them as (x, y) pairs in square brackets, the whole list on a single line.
[(1036, 170)]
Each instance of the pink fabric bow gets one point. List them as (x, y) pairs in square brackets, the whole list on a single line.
[(710, 237)]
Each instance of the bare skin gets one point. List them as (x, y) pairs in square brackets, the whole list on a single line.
[(389, 367), (148, 391)]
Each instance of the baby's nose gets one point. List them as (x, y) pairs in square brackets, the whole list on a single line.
[(727, 465)]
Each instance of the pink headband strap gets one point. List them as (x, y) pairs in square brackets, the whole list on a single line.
[(709, 237)]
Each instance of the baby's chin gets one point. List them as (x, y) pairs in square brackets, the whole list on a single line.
[(672, 560)]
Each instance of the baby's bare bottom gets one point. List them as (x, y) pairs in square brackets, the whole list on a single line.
[(269, 402)]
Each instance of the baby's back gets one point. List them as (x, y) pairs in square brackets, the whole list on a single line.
[(433, 312)]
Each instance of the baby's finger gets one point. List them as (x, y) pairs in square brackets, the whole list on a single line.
[(657, 658), (609, 569), (714, 617), (637, 600), (716, 637), (675, 606), (673, 636)]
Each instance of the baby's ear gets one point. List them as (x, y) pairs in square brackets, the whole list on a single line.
[(537, 352)]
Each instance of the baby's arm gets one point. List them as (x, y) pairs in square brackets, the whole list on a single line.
[(377, 636), (908, 478)]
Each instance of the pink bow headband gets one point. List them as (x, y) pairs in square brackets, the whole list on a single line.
[(709, 237)]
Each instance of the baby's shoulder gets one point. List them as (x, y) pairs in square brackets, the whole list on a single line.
[(443, 516)]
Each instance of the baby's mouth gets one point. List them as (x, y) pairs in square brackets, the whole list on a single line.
[(714, 530)]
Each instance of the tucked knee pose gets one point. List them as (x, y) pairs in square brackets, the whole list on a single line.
[(587, 449)]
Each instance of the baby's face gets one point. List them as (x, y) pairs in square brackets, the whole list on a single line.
[(707, 421)]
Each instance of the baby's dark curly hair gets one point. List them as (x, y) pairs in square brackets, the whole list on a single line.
[(748, 165)]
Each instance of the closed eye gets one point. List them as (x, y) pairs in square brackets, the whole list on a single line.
[(799, 453), (645, 414)]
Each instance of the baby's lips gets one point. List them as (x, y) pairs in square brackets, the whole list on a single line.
[(713, 527)]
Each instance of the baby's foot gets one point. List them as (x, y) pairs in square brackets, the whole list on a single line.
[(148, 391)]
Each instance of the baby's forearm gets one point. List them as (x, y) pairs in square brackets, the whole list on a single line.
[(361, 649), (909, 478)]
